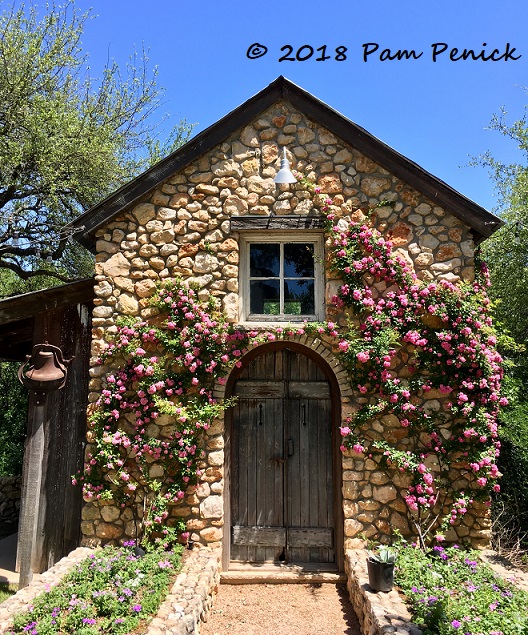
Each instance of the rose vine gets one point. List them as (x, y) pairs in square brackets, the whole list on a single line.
[(421, 352)]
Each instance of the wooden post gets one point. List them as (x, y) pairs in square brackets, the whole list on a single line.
[(33, 473)]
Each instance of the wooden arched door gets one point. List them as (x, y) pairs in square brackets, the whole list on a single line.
[(282, 485)]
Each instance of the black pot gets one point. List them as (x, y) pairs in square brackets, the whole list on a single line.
[(381, 575)]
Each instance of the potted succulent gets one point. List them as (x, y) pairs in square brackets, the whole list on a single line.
[(380, 565)]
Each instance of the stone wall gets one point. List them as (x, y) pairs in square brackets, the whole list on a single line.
[(10, 492), (191, 597), (182, 229)]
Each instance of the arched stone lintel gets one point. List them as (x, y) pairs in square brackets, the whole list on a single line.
[(312, 343)]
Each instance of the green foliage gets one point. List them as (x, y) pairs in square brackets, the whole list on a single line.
[(67, 138), (444, 336), (506, 252), (108, 592), (507, 255), (5, 592), (450, 592), (513, 464), (13, 420), (385, 555)]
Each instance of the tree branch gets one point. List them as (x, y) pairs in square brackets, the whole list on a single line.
[(26, 275)]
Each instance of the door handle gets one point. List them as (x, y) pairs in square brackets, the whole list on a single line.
[(291, 451)]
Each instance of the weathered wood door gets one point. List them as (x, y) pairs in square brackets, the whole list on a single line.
[(282, 502)]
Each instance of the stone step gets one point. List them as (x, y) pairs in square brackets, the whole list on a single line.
[(280, 574)]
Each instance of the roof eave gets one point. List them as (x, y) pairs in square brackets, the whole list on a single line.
[(482, 222)]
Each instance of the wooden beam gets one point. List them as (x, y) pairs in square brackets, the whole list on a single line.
[(243, 223), (38, 302)]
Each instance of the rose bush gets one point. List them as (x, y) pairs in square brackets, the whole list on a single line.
[(407, 340), (423, 352)]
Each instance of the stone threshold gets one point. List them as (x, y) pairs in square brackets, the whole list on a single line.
[(270, 573)]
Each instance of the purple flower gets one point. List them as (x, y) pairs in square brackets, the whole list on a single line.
[(136, 608), (456, 624), (88, 620), (432, 599)]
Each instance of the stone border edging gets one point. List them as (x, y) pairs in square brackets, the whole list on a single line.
[(378, 613), (191, 596), (22, 599)]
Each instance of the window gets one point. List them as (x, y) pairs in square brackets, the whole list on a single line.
[(282, 278)]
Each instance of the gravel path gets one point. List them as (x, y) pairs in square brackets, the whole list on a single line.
[(281, 609)]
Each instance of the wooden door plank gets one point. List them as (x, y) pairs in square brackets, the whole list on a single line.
[(259, 536), (259, 389), (293, 395), (310, 537), (269, 464), (308, 390)]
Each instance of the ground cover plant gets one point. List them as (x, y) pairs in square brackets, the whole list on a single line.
[(110, 592), (5, 592), (451, 592)]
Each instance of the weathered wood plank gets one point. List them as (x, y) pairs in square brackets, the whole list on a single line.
[(40, 302), (307, 537), (259, 536), (309, 390), (243, 223), (259, 389)]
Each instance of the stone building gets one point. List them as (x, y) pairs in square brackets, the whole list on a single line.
[(211, 213)]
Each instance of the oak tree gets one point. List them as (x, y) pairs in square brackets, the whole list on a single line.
[(67, 137)]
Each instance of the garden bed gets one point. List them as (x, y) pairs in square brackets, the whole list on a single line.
[(186, 604), (454, 592), (378, 613)]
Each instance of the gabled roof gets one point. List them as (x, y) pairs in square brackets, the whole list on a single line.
[(19, 313), (480, 220), (27, 305)]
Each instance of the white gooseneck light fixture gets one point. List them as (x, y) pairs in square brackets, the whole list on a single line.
[(284, 175)]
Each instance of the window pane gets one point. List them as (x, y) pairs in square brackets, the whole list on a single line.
[(299, 297), (264, 260), (264, 297), (298, 260)]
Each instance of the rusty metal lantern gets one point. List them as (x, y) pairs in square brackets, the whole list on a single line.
[(44, 370)]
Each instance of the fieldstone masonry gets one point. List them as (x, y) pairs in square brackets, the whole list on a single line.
[(10, 492), (182, 229)]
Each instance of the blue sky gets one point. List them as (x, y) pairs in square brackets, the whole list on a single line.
[(435, 113)]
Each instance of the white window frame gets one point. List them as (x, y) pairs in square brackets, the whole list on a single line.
[(315, 239)]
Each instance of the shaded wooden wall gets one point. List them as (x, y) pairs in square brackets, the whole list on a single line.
[(62, 317)]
